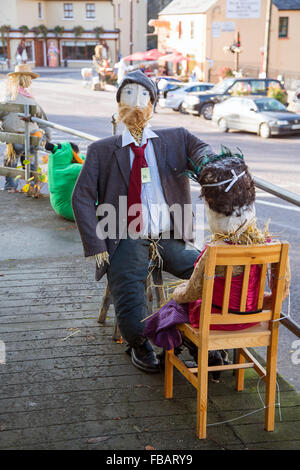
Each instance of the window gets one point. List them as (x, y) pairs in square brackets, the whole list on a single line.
[(90, 12), (40, 11), (283, 27), (78, 50), (29, 50), (119, 11), (192, 29), (179, 30), (68, 10)]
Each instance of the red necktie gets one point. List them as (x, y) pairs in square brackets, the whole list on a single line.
[(135, 183)]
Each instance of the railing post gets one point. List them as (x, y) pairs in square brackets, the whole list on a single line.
[(27, 140), (114, 124)]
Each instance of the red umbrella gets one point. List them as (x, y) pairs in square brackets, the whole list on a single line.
[(174, 57), (136, 56), (153, 54)]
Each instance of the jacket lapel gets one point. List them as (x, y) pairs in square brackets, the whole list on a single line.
[(160, 150), (123, 159)]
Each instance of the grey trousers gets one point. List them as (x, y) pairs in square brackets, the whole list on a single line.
[(127, 274)]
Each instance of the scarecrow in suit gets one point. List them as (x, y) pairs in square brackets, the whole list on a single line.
[(132, 192)]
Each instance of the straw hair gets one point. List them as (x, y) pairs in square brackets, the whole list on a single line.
[(14, 82)]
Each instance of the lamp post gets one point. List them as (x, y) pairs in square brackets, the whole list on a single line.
[(267, 38), (131, 29)]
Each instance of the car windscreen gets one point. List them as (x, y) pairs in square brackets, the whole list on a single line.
[(223, 86), (269, 105)]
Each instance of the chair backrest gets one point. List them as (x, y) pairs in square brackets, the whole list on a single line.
[(275, 255)]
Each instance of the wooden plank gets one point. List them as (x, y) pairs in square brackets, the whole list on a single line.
[(231, 318), (14, 138), (13, 172), (17, 108), (257, 366), (262, 284), (245, 289), (228, 277)]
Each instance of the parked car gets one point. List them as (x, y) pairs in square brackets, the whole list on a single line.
[(202, 103), (175, 96), (166, 83), (265, 116)]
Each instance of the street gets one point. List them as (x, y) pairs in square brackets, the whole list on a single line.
[(67, 102)]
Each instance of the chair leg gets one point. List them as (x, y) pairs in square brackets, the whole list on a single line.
[(240, 375), (169, 372), (202, 395), (270, 389), (106, 302)]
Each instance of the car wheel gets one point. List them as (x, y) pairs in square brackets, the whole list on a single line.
[(222, 125), (181, 109), (207, 111), (265, 131)]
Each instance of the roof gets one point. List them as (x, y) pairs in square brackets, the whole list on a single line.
[(179, 7), (287, 4)]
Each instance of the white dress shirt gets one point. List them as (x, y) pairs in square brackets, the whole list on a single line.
[(156, 214)]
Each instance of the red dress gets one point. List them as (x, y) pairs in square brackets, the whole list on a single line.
[(234, 298)]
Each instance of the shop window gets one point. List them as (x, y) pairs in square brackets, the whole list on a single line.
[(90, 11), (283, 27), (78, 50), (29, 50), (3, 51), (68, 11)]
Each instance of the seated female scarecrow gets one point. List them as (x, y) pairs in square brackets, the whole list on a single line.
[(229, 194), (64, 166), (18, 91)]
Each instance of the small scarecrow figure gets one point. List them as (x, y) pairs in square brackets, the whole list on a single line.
[(145, 168), (18, 91)]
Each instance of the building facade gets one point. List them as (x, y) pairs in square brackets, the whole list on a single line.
[(205, 30), (58, 31)]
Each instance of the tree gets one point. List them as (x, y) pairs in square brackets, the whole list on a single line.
[(36, 31), (43, 30), (24, 29), (78, 30), (98, 31), (58, 31)]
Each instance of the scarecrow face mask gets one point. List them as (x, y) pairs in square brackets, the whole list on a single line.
[(135, 95)]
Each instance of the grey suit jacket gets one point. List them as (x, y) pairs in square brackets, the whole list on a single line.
[(105, 176)]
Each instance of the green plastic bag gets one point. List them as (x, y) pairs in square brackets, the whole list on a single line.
[(62, 176)]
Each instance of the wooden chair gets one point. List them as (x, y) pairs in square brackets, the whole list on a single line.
[(263, 334)]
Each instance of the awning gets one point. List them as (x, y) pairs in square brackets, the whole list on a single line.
[(175, 57), (152, 54)]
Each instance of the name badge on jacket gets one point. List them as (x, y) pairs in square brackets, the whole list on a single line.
[(145, 173)]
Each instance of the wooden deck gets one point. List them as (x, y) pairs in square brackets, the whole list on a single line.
[(67, 385)]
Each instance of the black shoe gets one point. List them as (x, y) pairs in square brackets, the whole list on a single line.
[(143, 357)]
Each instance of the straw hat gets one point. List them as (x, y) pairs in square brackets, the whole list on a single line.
[(23, 69)]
